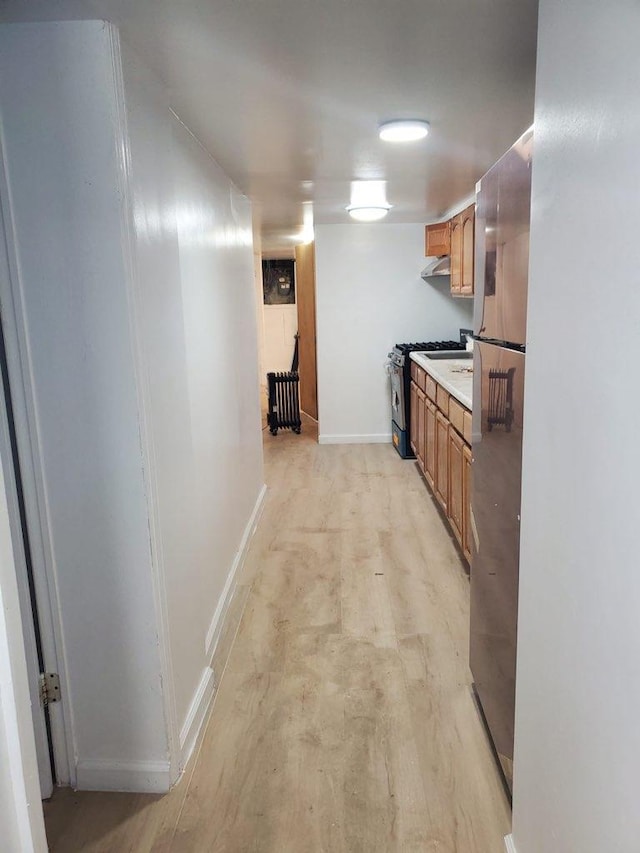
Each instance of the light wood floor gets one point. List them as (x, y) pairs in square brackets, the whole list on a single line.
[(344, 721)]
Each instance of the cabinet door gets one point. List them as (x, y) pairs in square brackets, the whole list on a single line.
[(422, 430), (467, 533), (420, 427), (468, 218), (437, 239), (456, 254), (454, 509), (441, 485), (430, 442), (413, 422), (431, 388)]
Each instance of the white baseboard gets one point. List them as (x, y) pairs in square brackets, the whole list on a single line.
[(217, 620), (373, 438), (196, 714), (509, 846), (148, 777), (205, 691)]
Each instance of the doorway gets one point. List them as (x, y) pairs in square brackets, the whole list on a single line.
[(287, 320), (19, 461), (306, 304)]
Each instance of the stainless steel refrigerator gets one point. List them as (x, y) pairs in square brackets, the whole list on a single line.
[(500, 316)]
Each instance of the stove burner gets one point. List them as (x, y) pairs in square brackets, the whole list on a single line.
[(429, 346)]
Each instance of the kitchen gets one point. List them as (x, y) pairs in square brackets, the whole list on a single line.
[(472, 464), (575, 718)]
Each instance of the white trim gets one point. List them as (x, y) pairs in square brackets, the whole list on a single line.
[(21, 573), (199, 707), (28, 433), (146, 777), (374, 438), (196, 714), (509, 846), (217, 621), (27, 616)]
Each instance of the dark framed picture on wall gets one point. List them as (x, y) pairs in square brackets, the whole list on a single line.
[(278, 282)]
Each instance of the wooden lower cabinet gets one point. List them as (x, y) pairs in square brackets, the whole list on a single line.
[(441, 484), (430, 442), (467, 532), (413, 425), (438, 438), (420, 443), (456, 445)]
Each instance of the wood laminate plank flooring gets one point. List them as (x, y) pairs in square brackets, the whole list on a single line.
[(344, 721)]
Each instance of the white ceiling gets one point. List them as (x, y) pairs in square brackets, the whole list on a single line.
[(287, 94)]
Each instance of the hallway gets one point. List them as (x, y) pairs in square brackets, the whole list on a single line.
[(344, 720)]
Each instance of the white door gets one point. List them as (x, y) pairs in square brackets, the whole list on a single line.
[(22, 556)]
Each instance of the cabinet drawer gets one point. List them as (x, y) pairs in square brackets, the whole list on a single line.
[(422, 378), (442, 399), (431, 388), (456, 415), (414, 372), (466, 426)]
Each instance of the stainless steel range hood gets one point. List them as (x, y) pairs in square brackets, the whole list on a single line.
[(436, 267)]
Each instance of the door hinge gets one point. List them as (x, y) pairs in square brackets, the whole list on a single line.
[(49, 688)]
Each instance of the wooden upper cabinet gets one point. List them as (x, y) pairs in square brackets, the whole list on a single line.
[(462, 251), (437, 239), (456, 254), (467, 223), (456, 238)]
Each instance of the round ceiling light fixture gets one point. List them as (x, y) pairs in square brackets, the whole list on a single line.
[(368, 213), (403, 130)]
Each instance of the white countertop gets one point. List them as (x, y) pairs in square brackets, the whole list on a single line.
[(445, 372)]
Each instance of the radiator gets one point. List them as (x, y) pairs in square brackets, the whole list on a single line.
[(284, 402)]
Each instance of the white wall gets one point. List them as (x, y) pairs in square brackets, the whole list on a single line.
[(577, 740), (137, 287), (257, 280), (223, 416), (198, 342), (280, 327), (58, 106), (370, 296)]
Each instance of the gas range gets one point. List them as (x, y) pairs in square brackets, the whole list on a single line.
[(400, 353), (400, 373)]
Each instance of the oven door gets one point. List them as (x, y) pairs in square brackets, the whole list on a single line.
[(397, 396)]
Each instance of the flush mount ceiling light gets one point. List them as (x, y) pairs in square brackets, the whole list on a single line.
[(368, 213), (403, 130), (368, 201)]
